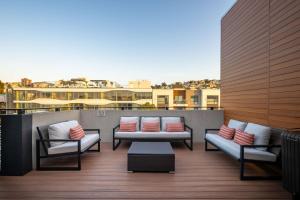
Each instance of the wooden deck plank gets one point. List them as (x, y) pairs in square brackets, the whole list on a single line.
[(199, 175)]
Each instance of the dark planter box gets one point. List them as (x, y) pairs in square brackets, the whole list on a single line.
[(16, 145)]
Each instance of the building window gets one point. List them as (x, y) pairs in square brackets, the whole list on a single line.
[(162, 101), (212, 100), (195, 99)]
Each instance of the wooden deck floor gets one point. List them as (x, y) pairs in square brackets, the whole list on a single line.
[(199, 175)]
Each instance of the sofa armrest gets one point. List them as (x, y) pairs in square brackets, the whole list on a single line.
[(186, 127), (268, 146), (93, 129), (242, 148), (116, 129)]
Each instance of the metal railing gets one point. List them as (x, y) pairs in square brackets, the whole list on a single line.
[(58, 109)]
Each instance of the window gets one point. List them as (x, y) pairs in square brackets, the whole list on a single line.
[(195, 99), (212, 100), (162, 101)]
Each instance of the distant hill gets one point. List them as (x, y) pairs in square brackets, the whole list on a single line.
[(193, 84)]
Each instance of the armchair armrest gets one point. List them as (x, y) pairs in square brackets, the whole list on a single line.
[(211, 129), (93, 129), (116, 128), (56, 140)]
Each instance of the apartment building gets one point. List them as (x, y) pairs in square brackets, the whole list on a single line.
[(123, 98)]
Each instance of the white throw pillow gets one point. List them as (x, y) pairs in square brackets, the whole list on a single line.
[(262, 134), (149, 119), (131, 119), (60, 131), (237, 124), (165, 120)]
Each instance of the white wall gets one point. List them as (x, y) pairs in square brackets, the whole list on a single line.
[(196, 119)]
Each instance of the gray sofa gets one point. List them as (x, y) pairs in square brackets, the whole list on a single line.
[(162, 135), (266, 147)]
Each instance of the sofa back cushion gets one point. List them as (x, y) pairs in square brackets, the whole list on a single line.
[(127, 127), (151, 120), (175, 127), (61, 131), (226, 132), (151, 127), (237, 124), (165, 120), (262, 134), (131, 120), (243, 138), (76, 133)]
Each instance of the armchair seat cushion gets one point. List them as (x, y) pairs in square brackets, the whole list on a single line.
[(233, 149), (153, 135), (69, 147)]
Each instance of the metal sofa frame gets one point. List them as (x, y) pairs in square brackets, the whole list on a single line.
[(189, 145), (46, 143), (243, 160)]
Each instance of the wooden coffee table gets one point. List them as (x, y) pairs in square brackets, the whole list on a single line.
[(151, 157)]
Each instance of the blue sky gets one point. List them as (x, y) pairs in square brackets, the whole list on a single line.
[(120, 40)]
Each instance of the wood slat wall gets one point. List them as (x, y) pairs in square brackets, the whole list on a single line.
[(260, 62)]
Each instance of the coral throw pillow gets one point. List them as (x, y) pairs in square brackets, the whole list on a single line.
[(175, 127), (243, 138), (226, 132), (127, 127), (76, 133), (151, 127)]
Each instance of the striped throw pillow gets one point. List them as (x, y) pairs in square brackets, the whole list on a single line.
[(243, 138), (127, 127), (151, 127), (226, 132), (174, 127), (76, 133)]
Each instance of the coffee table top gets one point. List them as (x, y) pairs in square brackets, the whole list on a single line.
[(153, 148)]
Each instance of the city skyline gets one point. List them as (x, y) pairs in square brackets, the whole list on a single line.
[(114, 40)]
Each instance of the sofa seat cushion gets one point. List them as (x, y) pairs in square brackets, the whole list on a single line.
[(153, 135), (68, 147), (61, 131), (234, 149)]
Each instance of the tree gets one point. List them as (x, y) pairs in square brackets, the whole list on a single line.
[(2, 87), (148, 105), (164, 85)]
